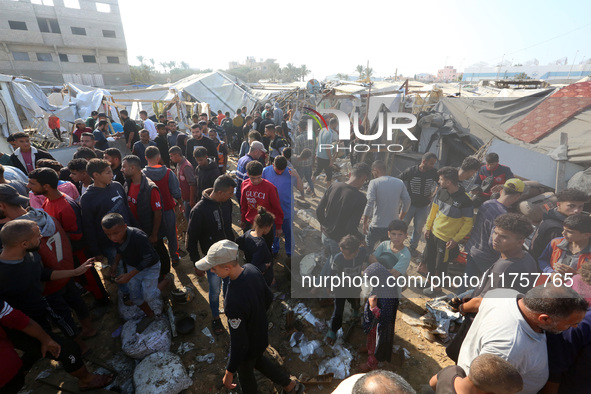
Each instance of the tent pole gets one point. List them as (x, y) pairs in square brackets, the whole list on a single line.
[(561, 166)]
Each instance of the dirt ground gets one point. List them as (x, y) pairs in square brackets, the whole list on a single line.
[(426, 358)]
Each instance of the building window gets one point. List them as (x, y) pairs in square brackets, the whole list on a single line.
[(21, 56), (72, 4), (48, 25), (89, 58), (64, 58), (44, 57), (102, 7), (113, 59), (109, 33), (16, 25), (79, 31)]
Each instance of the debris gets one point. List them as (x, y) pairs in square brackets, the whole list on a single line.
[(161, 372), (308, 216), (155, 338), (171, 318), (443, 315), (185, 347), (117, 332), (309, 262), (208, 334), (339, 365), (131, 312), (319, 379), (306, 313), (208, 358), (44, 374)]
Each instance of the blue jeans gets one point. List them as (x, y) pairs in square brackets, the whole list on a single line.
[(144, 286), (306, 174), (215, 285), (110, 254), (420, 216), (286, 228), (169, 220), (375, 234)]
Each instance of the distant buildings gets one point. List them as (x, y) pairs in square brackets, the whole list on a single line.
[(551, 73), (57, 41), (447, 74), (425, 77), (253, 64)]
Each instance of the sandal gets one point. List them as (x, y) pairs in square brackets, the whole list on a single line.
[(97, 382), (217, 326), (330, 337)]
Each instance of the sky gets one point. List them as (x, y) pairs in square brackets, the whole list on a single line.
[(329, 37)]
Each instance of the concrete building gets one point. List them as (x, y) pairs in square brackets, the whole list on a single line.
[(447, 73), (253, 64), (57, 41), (553, 73)]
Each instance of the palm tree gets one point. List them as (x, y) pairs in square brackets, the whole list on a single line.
[(291, 71), (304, 71), (342, 77), (140, 59), (274, 70), (172, 64), (152, 61), (368, 72), (185, 65), (359, 70), (164, 66)]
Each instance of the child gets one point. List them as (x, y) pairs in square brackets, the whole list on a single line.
[(255, 247), (348, 263), (565, 255), (391, 258), (186, 175), (141, 265), (79, 175), (489, 374)]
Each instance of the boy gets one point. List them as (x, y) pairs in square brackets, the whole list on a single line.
[(113, 156), (162, 143), (141, 267), (139, 148), (170, 190), (186, 176), (567, 254), (26, 156), (348, 263), (206, 171), (101, 198), (221, 149), (489, 373), (79, 176)]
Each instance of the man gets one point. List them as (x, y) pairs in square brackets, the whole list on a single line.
[(99, 135), (490, 175), (277, 115), (449, 221), (221, 117), (375, 382), (102, 197), (267, 109), (170, 192), (257, 149), (130, 129), (145, 205), (91, 120), (257, 119), (79, 128), (481, 254), (421, 182), (514, 326), (387, 199), (206, 171), (246, 303), (340, 209), (21, 274), (87, 141), (21, 187), (248, 125), (570, 202), (113, 156), (284, 180), (268, 119), (173, 133), (276, 143), (81, 179), (139, 148), (258, 192), (304, 166), (186, 175), (198, 131), (210, 221), (222, 151), (238, 122), (148, 125), (162, 143), (466, 172), (26, 156), (325, 154)]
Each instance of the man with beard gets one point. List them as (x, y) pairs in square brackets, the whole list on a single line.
[(198, 131)]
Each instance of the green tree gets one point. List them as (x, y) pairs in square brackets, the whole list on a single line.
[(304, 71), (368, 72), (360, 69), (152, 61), (141, 75), (140, 59), (342, 77), (164, 66), (521, 76), (184, 65)]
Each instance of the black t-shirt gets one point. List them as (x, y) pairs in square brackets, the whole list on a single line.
[(340, 210), (446, 378), (162, 144), (205, 142), (420, 185), (507, 273), (261, 126), (128, 127)]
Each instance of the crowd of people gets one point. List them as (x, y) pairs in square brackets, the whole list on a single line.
[(57, 221)]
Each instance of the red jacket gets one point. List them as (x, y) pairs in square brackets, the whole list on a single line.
[(262, 195)]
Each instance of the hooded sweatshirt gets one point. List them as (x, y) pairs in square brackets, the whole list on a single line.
[(205, 176), (209, 222), (167, 182), (549, 228), (55, 248), (95, 204)]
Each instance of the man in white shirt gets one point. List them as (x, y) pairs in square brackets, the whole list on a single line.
[(513, 326), (149, 125)]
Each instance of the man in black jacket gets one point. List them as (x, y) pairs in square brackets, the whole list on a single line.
[(211, 221), (206, 171), (200, 138), (246, 304), (130, 129)]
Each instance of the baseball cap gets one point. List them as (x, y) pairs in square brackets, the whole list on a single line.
[(515, 184), (79, 120), (258, 145), (221, 252), (9, 195), (102, 115)]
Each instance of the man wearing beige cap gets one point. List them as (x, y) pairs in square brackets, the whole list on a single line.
[(481, 255), (246, 304), (79, 128)]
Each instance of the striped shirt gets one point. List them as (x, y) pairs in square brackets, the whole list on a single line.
[(420, 185)]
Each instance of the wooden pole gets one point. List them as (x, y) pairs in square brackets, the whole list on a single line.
[(561, 166)]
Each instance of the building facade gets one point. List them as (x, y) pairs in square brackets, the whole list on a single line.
[(447, 74), (551, 73), (59, 41)]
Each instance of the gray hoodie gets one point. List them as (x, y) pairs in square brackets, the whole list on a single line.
[(159, 172)]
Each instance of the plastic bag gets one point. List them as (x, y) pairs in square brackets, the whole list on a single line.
[(155, 338), (161, 372)]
